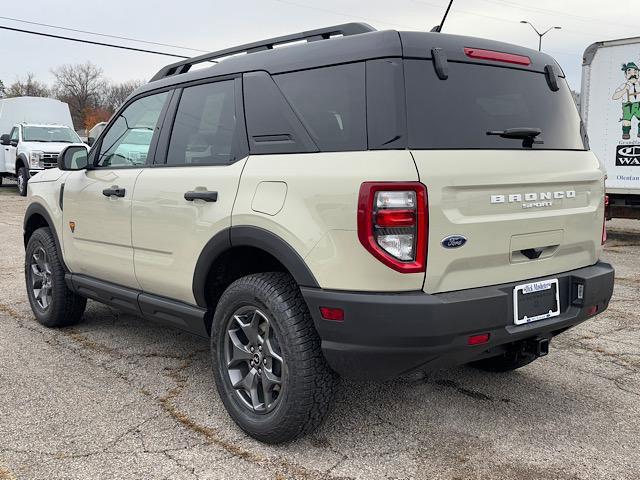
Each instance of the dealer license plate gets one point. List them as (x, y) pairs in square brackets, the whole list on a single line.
[(536, 301)]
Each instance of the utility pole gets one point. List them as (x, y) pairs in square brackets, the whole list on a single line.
[(540, 35)]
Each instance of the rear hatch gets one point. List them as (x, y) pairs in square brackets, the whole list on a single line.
[(528, 202)]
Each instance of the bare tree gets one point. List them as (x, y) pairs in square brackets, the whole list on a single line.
[(81, 86), (28, 87), (3, 90), (115, 94)]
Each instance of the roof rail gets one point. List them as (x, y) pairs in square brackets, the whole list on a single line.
[(344, 29)]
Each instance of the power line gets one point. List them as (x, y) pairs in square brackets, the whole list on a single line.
[(342, 14), (555, 13), (493, 17), (60, 37), (101, 34)]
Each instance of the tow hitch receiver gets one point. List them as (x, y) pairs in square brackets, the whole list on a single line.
[(537, 346)]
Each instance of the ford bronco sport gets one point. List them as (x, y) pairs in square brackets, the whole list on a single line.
[(359, 203)]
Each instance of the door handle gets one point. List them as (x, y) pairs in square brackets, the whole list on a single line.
[(114, 191), (201, 195)]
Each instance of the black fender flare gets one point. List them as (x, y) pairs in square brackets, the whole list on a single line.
[(24, 160), (249, 236), (38, 209)]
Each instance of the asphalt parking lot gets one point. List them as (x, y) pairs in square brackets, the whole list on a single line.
[(121, 397)]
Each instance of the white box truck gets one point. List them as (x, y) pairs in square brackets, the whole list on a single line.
[(33, 131), (610, 108)]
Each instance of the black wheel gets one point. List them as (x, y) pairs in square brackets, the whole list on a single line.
[(23, 179), (267, 362), (505, 362), (53, 304)]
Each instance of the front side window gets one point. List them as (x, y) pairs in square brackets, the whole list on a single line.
[(330, 102), (127, 142), (204, 129), (14, 134), (49, 134)]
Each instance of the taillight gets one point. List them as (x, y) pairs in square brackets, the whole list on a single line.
[(393, 223)]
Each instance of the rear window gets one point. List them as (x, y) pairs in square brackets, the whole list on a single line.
[(330, 102), (456, 113)]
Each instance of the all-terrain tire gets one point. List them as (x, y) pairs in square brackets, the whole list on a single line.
[(65, 307), (308, 384), (505, 363), (23, 179)]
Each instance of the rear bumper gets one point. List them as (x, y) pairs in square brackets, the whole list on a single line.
[(385, 335)]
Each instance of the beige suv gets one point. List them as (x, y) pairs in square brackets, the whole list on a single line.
[(359, 203)]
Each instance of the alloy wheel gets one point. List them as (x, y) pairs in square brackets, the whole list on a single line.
[(254, 361), (41, 278)]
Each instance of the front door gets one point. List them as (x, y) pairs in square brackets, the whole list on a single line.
[(97, 201)]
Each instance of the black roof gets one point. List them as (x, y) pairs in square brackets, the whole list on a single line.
[(335, 45)]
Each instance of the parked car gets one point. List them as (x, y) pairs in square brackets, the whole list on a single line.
[(364, 204), (34, 131)]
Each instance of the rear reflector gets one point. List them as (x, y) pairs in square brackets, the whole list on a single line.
[(334, 314), (497, 56), (592, 310), (478, 339)]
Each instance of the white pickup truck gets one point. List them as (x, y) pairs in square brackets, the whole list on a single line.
[(33, 131)]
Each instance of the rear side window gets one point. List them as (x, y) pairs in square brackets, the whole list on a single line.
[(457, 113), (330, 102), (205, 126)]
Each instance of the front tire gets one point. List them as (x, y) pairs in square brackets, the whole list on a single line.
[(23, 179), (53, 304), (268, 365)]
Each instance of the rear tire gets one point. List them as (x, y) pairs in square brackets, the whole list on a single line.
[(53, 304), (23, 179), (505, 363), (259, 319)]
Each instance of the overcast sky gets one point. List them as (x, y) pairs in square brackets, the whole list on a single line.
[(215, 24)]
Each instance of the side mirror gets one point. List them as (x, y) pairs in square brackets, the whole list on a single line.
[(91, 141), (13, 143), (5, 139), (73, 157)]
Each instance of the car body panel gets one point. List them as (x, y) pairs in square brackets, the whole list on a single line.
[(319, 216)]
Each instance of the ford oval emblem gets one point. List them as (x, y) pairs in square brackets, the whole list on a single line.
[(454, 241)]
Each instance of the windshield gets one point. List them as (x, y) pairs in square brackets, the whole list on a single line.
[(50, 134), (457, 113)]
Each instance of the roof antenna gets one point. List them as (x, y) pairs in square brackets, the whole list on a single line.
[(438, 28)]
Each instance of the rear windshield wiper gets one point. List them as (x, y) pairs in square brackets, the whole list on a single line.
[(526, 134)]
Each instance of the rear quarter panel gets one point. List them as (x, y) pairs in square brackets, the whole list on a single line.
[(318, 217)]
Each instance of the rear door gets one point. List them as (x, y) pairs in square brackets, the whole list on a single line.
[(527, 207), (187, 196), (97, 202)]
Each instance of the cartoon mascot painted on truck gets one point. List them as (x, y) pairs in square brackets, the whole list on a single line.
[(629, 92)]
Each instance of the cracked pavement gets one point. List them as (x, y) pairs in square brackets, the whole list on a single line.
[(122, 397)]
